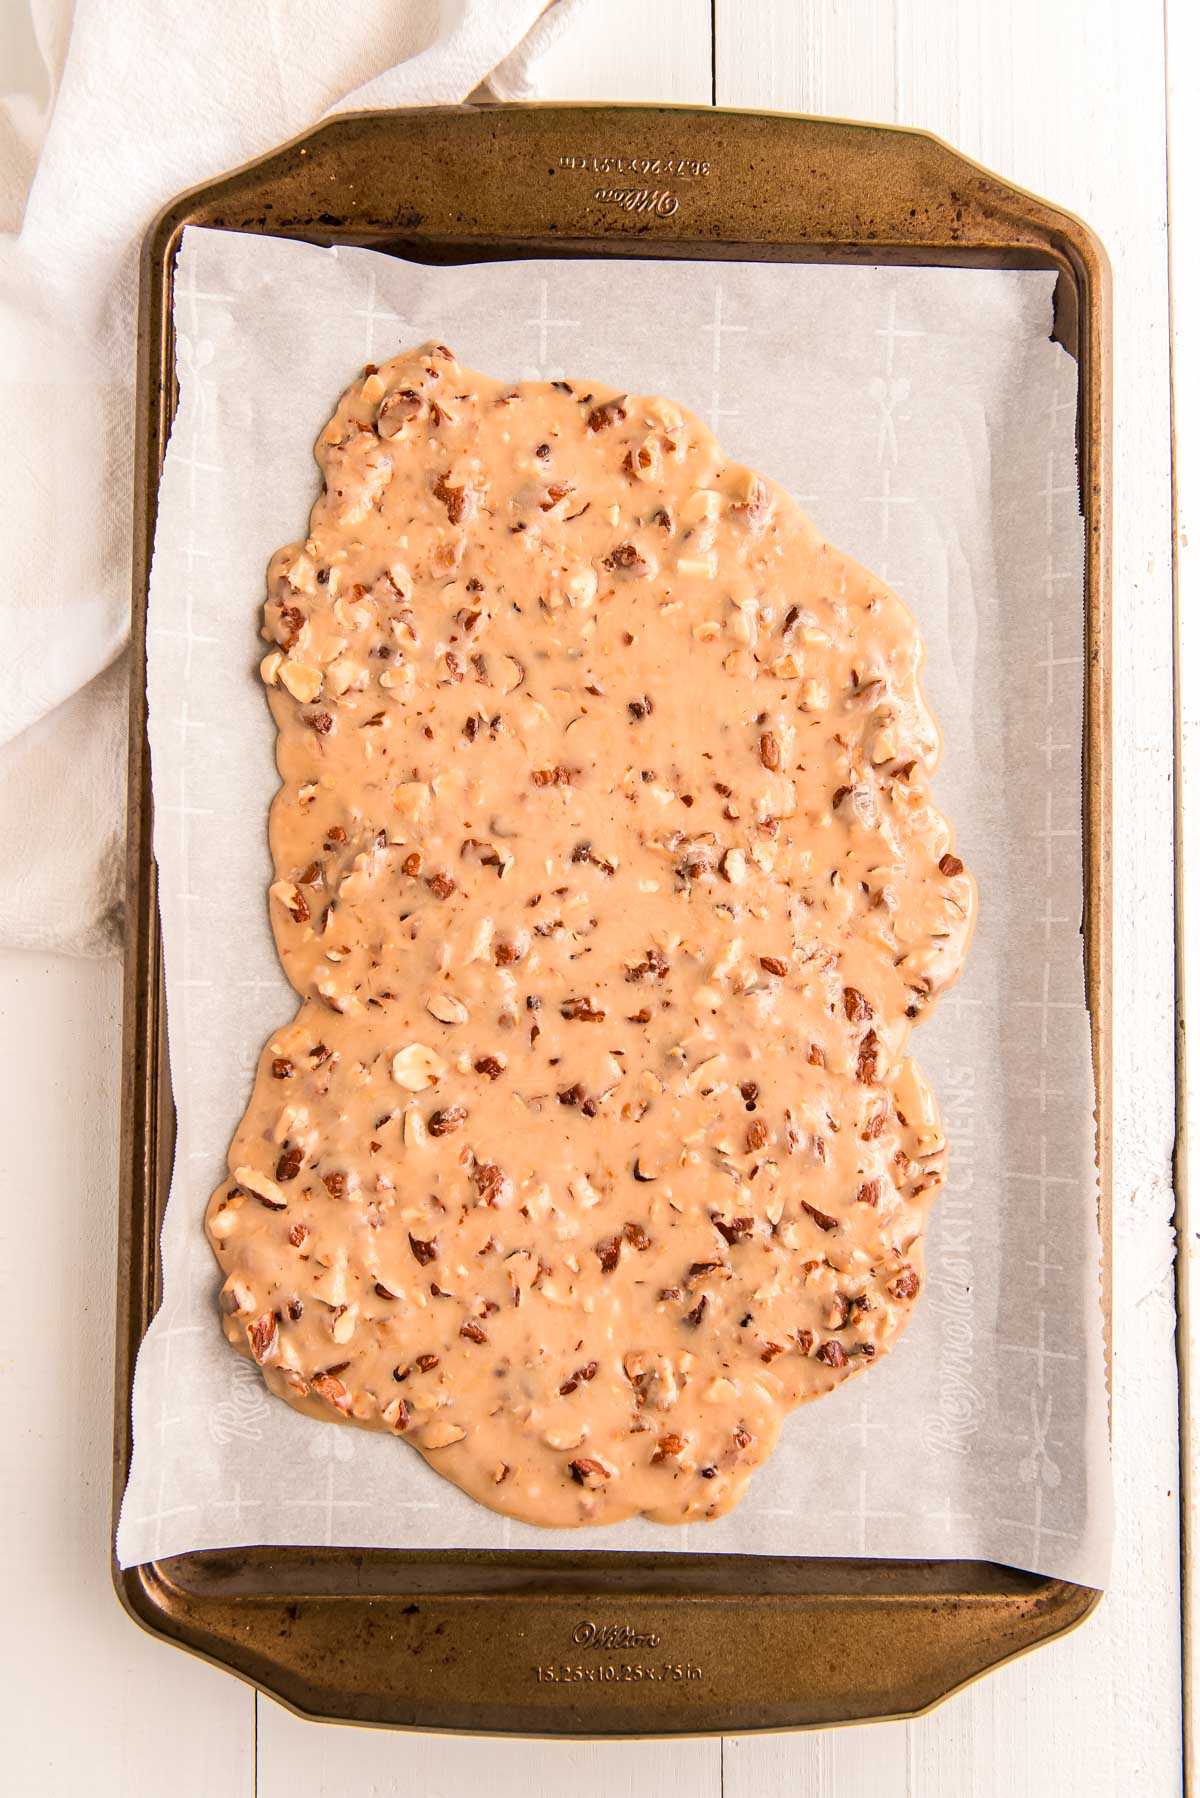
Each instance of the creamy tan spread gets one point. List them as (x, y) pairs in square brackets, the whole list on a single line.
[(609, 878)]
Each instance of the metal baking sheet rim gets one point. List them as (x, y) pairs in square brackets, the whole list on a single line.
[(479, 1642)]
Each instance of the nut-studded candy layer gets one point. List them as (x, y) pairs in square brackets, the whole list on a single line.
[(608, 875)]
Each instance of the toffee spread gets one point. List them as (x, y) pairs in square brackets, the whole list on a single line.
[(608, 876)]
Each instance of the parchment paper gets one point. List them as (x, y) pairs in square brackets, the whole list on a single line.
[(926, 422)]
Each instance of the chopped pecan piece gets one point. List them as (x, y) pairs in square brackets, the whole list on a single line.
[(858, 1009), (458, 501), (600, 418), (636, 1236), (950, 865), (473, 1332), (668, 1448), (264, 1336), (590, 1472), (774, 964), (331, 1389), (868, 1192), (757, 1136), (426, 1251), (282, 1068), (583, 852), (769, 752), (626, 558), (772, 1350), (288, 1165), (833, 1354), (609, 1252), (821, 1219), (396, 410), (582, 1011), (491, 1182), (734, 1229), (586, 1372), (867, 1066), (655, 966), (450, 1117), (906, 1285)]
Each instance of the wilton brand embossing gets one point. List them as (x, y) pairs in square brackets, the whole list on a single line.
[(682, 167), (650, 201), (613, 1635), (661, 202)]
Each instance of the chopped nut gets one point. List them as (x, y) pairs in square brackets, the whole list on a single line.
[(441, 1434), (292, 900), (417, 1067), (581, 1011), (289, 1164), (626, 558), (263, 1335), (345, 1323), (858, 1009), (867, 1066), (602, 417), (821, 1219), (331, 1389), (447, 1009), (302, 683), (609, 1253), (906, 1285), (264, 1190), (769, 752), (396, 410), (451, 1117), (591, 1471)]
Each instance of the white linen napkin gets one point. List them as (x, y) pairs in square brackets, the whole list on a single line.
[(118, 105)]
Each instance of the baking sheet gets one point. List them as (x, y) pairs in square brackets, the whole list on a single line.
[(927, 423)]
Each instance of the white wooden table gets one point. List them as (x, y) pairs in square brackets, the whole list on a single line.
[(1067, 97)]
